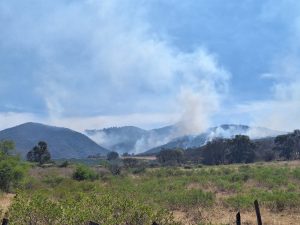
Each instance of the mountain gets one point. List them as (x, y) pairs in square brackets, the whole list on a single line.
[(223, 131), (62, 142), (131, 139), (120, 139)]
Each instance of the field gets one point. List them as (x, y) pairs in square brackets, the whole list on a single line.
[(192, 195)]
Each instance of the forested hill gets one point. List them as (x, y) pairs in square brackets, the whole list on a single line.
[(62, 142)]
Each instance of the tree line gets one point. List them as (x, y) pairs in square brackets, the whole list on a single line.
[(239, 149)]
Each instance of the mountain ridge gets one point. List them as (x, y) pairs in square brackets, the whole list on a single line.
[(169, 137), (63, 142)]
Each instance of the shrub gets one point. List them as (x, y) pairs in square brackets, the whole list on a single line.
[(139, 170), (112, 156), (130, 162), (12, 171), (115, 168), (83, 172), (170, 157), (64, 164), (79, 208)]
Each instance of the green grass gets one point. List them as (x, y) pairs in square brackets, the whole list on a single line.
[(153, 193)]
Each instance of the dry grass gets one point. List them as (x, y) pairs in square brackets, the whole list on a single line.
[(221, 215), (39, 172), (150, 158), (5, 202)]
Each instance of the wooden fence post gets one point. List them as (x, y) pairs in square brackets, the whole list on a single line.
[(93, 223), (5, 221), (238, 218), (258, 216)]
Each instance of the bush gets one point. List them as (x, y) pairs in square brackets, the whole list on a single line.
[(64, 164), (112, 156), (130, 162), (170, 157), (12, 171), (115, 168), (139, 170), (79, 208), (83, 172)]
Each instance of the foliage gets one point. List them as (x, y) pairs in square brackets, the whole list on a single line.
[(125, 199), (83, 172), (6, 147), (79, 208), (214, 153), (130, 162), (112, 156), (269, 155), (240, 150), (65, 163), (288, 145), (12, 170), (115, 167), (170, 157), (39, 153)]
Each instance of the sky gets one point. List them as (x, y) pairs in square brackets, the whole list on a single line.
[(87, 64)]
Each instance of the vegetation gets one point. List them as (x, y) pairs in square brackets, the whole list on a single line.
[(170, 157), (154, 194), (12, 170), (112, 156), (139, 191), (241, 149), (288, 145), (83, 172), (39, 153)]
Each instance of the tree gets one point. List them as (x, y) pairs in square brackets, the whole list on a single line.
[(288, 145), (112, 156), (6, 146), (170, 156), (240, 150), (12, 170), (214, 152), (126, 154), (39, 153)]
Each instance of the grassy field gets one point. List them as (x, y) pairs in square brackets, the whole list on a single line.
[(192, 195)]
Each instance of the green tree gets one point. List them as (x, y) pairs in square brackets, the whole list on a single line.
[(170, 156), (7, 146), (288, 145), (112, 156), (214, 152), (240, 150), (12, 170), (39, 153)]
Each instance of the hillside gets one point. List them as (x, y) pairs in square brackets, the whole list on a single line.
[(131, 139), (62, 142), (223, 131)]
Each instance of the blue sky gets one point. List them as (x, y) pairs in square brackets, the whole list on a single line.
[(92, 64)]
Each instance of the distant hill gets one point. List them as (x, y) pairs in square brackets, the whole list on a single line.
[(131, 139), (62, 142), (136, 140), (223, 131)]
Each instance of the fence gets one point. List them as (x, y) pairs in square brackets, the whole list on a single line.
[(257, 211), (238, 217)]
